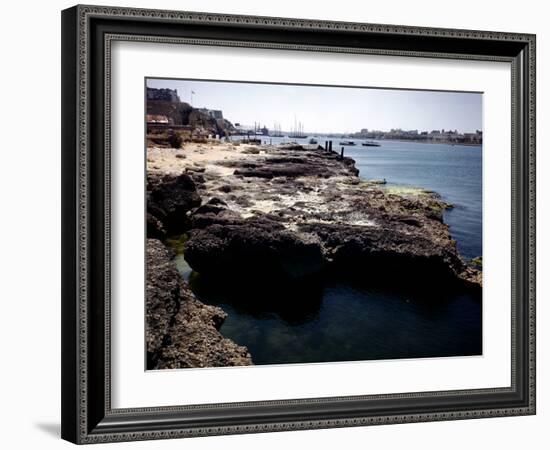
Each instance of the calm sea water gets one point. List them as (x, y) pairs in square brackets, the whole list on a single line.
[(453, 171), (341, 320)]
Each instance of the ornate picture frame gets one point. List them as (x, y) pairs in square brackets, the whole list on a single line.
[(88, 33)]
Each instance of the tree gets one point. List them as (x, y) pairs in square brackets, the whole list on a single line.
[(175, 139)]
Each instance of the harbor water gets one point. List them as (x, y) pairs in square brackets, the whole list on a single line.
[(343, 320)]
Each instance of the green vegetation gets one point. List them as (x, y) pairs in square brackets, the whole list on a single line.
[(407, 191), (478, 261), (175, 140), (176, 242)]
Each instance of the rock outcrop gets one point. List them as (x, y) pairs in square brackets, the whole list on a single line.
[(260, 247), (169, 199), (279, 215), (388, 254), (288, 213), (293, 164), (180, 330)]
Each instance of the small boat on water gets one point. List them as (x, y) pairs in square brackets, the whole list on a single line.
[(370, 144), (313, 141), (347, 143)]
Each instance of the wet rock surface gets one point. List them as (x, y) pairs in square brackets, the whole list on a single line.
[(289, 212), (260, 247), (388, 253), (181, 331), (169, 198)]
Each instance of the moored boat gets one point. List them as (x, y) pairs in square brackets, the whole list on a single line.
[(370, 144), (347, 143)]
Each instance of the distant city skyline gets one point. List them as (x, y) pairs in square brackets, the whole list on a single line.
[(330, 109)]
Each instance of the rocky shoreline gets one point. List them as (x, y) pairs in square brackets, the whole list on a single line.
[(181, 331), (280, 214)]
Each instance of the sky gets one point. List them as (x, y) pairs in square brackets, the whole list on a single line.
[(332, 109)]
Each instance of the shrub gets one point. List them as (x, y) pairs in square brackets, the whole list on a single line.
[(175, 140)]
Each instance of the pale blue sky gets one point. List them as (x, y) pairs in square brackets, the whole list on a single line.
[(332, 109)]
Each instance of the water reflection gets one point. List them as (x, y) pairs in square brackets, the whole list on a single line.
[(336, 319), (294, 303)]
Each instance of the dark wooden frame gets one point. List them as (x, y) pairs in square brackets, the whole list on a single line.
[(87, 32)]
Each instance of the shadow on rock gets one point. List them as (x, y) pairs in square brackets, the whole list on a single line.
[(296, 302)]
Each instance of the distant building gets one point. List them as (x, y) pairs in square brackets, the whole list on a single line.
[(213, 113), (216, 114), (474, 138), (167, 95), (439, 136), (157, 119)]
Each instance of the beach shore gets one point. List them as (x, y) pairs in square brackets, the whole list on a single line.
[(286, 213)]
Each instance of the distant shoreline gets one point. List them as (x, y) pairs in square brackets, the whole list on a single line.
[(323, 137), (420, 141)]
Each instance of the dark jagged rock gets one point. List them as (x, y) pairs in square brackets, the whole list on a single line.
[(181, 331), (169, 198), (285, 214), (155, 229), (214, 211), (311, 207), (281, 170), (289, 165), (260, 247), (388, 253)]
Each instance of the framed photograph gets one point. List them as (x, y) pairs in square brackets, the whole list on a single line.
[(279, 224)]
